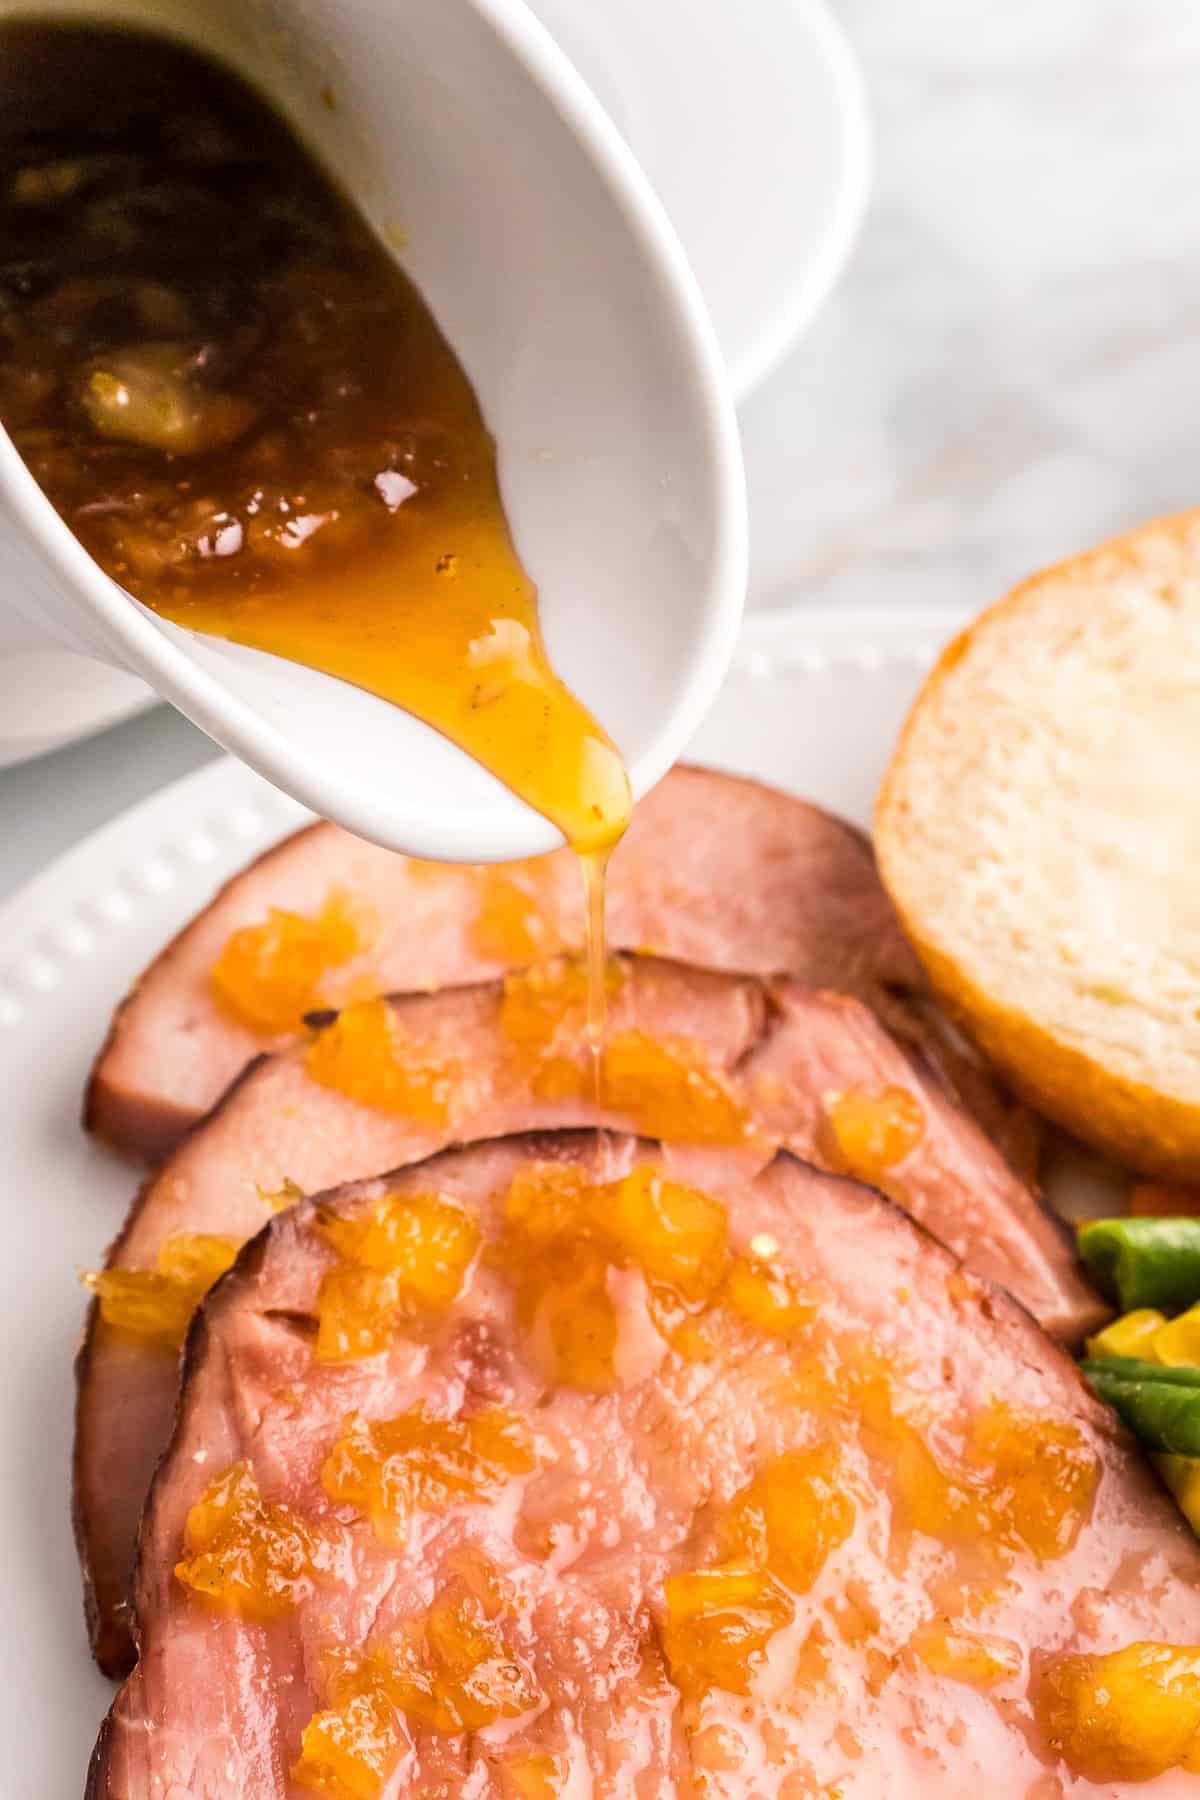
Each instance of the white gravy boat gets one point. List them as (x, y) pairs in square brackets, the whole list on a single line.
[(554, 273)]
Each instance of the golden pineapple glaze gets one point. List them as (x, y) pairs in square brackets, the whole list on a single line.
[(247, 413)]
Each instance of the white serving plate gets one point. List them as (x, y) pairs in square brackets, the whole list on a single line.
[(812, 704)]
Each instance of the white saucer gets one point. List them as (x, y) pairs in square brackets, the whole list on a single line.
[(50, 697), (752, 125)]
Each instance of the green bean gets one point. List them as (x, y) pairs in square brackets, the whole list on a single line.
[(1161, 1406), (1132, 1368), (1144, 1262)]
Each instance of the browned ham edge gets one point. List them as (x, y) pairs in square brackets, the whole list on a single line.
[(216, 1707), (714, 870), (781, 1049)]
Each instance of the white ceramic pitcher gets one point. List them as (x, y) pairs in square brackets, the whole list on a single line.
[(555, 275)]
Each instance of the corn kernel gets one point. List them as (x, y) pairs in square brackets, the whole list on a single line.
[(1130, 1335), (1181, 1474), (1178, 1342)]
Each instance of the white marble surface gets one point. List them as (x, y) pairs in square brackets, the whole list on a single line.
[(1009, 370), (1011, 366)]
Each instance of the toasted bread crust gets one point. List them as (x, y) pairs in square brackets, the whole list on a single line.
[(1131, 1120)]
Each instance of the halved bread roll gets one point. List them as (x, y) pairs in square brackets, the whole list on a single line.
[(1038, 830)]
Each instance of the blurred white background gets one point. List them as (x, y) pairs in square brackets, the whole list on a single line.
[(1008, 371)]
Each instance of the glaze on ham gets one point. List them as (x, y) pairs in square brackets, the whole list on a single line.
[(713, 870), (967, 1515), (779, 1050)]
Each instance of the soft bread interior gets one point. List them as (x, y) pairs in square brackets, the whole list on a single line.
[(1041, 824)]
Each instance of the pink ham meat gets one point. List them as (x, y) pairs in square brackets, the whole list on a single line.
[(781, 1050), (857, 1683), (713, 870), (277, 1125)]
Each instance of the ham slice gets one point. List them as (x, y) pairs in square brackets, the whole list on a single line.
[(714, 870), (761, 1060), (842, 1544)]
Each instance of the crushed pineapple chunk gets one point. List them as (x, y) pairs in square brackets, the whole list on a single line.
[(790, 1516), (392, 1468), (452, 1670), (156, 1305), (364, 1055), (1018, 1482), (765, 1296), (666, 1087), (351, 1753), (718, 1625), (874, 1132), (532, 1775), (269, 975), (249, 1555), (1126, 1716), (515, 923), (565, 1234), (403, 1256), (972, 1657)]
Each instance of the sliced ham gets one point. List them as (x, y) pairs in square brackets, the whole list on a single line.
[(278, 1125), (897, 1487), (714, 870), (775, 1055)]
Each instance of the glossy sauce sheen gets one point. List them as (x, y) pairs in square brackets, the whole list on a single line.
[(248, 415), (584, 1478)]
